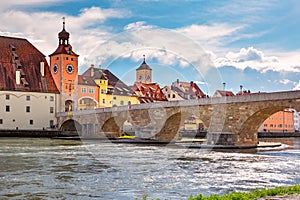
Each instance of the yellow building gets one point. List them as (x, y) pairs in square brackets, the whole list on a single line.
[(112, 91)]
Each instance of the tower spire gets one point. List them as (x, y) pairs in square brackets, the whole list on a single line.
[(64, 35), (64, 22), (144, 59)]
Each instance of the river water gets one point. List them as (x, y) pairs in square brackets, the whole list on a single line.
[(65, 169)]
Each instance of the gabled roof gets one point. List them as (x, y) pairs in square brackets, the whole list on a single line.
[(187, 88), (17, 54), (118, 86), (224, 93), (148, 92), (86, 80)]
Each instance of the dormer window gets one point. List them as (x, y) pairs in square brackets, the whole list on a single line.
[(12, 47)]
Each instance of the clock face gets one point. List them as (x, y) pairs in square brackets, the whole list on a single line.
[(70, 68), (55, 69), (148, 77)]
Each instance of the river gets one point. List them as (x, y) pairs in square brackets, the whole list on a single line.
[(69, 169)]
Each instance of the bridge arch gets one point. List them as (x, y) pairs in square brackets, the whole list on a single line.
[(249, 129), (71, 127), (112, 126), (173, 123)]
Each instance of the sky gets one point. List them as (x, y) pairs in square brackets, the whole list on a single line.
[(254, 44)]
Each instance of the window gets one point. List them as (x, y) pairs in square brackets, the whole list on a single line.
[(83, 90), (51, 123), (129, 102), (27, 98), (31, 122), (103, 91), (28, 109), (122, 103), (114, 98), (51, 98), (103, 100), (1, 121), (7, 108), (91, 90), (174, 96), (51, 110), (57, 58), (73, 59), (80, 102), (7, 97), (67, 58)]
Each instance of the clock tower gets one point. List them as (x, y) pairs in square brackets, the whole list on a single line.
[(64, 69), (144, 73)]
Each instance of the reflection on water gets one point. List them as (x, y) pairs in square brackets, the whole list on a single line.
[(61, 169)]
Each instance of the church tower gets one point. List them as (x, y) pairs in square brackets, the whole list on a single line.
[(64, 69), (144, 73)]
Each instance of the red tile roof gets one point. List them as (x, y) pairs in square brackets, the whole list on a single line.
[(17, 54), (224, 93), (149, 92), (188, 90)]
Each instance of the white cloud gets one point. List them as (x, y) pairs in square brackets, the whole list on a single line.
[(41, 28), (285, 81), (168, 47), (137, 25), (256, 59)]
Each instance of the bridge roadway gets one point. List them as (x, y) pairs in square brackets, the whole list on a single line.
[(229, 120)]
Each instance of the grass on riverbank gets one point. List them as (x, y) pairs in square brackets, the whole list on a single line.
[(254, 194)]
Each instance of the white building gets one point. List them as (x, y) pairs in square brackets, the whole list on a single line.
[(27, 90)]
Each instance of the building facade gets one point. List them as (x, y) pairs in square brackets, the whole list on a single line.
[(187, 90), (282, 121), (112, 91), (27, 89), (88, 93)]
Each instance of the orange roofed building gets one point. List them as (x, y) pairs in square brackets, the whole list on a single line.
[(223, 93), (187, 90)]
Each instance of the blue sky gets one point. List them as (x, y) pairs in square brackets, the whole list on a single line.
[(251, 43)]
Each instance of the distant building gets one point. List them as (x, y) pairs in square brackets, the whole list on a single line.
[(282, 121), (170, 94), (28, 93), (223, 93), (187, 90), (88, 93), (144, 89), (148, 93), (144, 73), (112, 91)]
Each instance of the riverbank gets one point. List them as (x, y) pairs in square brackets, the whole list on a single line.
[(32, 133), (284, 193)]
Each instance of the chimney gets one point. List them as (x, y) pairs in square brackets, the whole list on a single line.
[(92, 70), (42, 68), (18, 77)]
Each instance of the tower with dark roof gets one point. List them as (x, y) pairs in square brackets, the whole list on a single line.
[(64, 69), (144, 73)]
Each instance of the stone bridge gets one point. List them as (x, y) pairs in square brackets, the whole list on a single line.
[(236, 118)]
